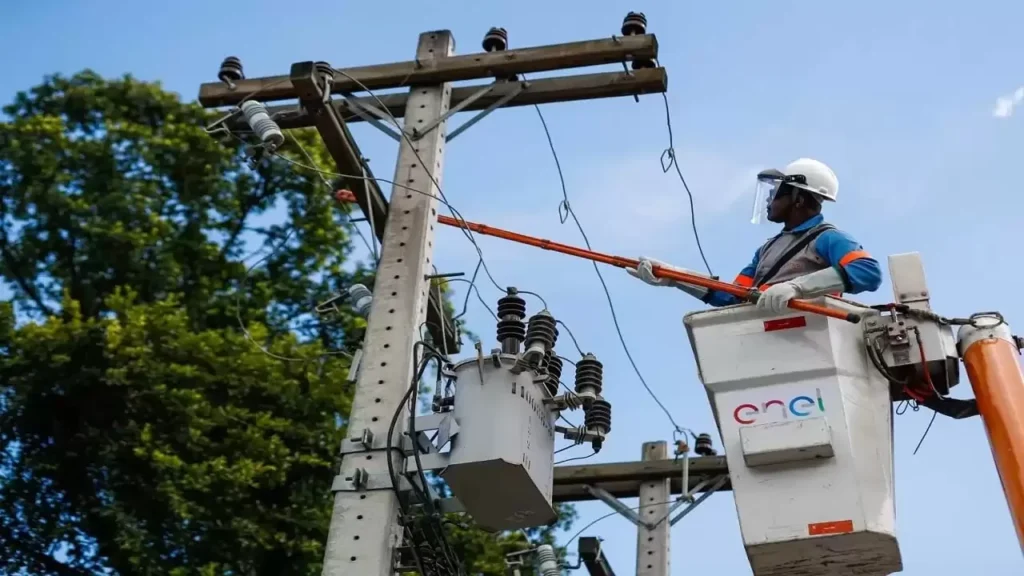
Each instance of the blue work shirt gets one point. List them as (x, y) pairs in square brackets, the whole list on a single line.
[(860, 272)]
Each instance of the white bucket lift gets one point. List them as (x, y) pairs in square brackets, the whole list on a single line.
[(806, 425)]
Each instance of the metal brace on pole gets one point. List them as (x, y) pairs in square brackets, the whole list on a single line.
[(417, 134), (361, 109), (523, 85), (619, 507), (707, 494)]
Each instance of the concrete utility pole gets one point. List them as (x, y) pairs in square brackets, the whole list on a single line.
[(365, 533), (652, 544)]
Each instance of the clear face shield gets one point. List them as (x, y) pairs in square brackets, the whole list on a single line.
[(766, 188)]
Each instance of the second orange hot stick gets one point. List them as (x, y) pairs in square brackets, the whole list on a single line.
[(621, 262)]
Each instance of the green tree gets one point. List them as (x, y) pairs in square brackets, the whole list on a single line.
[(142, 429)]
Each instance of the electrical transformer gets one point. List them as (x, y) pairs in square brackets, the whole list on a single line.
[(505, 404)]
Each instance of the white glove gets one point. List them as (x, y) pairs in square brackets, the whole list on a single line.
[(645, 272), (776, 298)]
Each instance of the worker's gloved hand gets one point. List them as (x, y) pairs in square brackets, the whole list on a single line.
[(645, 272), (813, 285), (776, 298)]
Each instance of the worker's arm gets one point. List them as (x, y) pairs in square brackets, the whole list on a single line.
[(859, 271), (745, 278)]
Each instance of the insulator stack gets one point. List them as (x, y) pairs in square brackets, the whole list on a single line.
[(324, 70), (541, 335), (547, 561), (495, 40), (230, 70), (635, 23), (262, 124), (511, 328), (554, 369), (703, 446), (599, 420), (589, 378)]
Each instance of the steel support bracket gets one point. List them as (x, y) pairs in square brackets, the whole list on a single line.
[(359, 480), (367, 112), (418, 133), (614, 504), (720, 481), (522, 85), (434, 461)]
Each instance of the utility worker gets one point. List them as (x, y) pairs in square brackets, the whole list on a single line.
[(807, 259)]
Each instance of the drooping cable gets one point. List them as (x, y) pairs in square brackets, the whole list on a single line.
[(669, 160), (371, 247), (565, 211)]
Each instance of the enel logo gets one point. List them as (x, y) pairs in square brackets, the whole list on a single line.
[(799, 406)]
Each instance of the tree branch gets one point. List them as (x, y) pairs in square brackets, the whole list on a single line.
[(14, 266)]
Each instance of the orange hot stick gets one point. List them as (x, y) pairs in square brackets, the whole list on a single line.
[(621, 262)]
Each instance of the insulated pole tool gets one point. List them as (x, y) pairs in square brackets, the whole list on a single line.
[(749, 294)]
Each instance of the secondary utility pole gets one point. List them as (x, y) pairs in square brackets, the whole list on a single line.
[(365, 532)]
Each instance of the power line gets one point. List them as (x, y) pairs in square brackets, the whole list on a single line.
[(669, 161), (372, 248), (568, 211)]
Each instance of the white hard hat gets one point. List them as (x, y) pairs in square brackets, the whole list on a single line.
[(804, 173), (818, 178)]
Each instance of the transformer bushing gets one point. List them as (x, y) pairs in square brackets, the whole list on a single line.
[(541, 335), (230, 70), (589, 379), (635, 24), (511, 328), (599, 421), (553, 366)]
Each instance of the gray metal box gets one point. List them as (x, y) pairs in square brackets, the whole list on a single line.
[(501, 462)]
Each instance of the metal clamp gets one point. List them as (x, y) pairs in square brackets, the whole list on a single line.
[(360, 480)]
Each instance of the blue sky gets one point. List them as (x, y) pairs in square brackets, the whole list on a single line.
[(901, 99)]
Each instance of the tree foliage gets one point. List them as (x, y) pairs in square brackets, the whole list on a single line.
[(143, 430)]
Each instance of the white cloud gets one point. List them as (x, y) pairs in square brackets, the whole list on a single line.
[(1005, 104)]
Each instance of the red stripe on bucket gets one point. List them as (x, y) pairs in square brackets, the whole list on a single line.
[(785, 323)]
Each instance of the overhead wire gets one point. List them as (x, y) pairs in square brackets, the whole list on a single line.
[(591, 455), (673, 161), (243, 285), (451, 558), (372, 248), (609, 515), (566, 211), (455, 213)]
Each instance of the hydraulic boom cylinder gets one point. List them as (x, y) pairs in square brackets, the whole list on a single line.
[(991, 357)]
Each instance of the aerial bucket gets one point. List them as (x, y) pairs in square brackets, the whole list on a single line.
[(806, 425)]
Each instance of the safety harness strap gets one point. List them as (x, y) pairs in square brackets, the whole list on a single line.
[(807, 238)]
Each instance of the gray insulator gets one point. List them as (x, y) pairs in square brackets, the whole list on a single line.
[(589, 376), (547, 561), (541, 334), (496, 39), (262, 124), (361, 298), (230, 70), (554, 370)]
